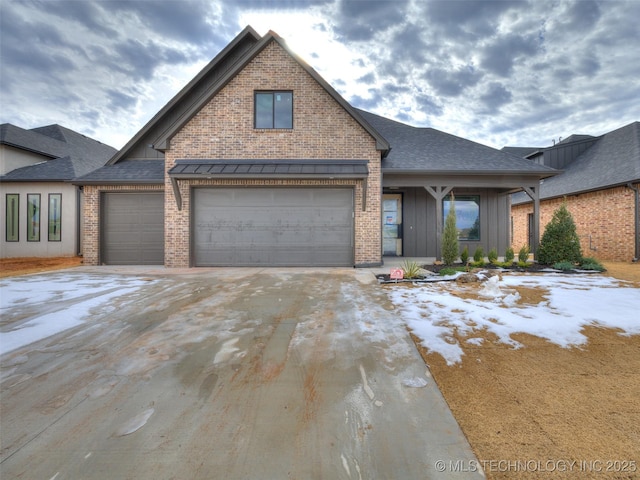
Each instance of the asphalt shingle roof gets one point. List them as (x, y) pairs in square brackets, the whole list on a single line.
[(128, 171), (611, 161), (72, 154), (427, 150)]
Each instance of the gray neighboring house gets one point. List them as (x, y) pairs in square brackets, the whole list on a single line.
[(599, 182), (40, 207)]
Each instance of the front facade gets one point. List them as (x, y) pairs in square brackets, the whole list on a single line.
[(600, 185), (258, 161)]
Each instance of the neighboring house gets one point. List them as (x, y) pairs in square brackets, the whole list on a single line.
[(259, 161), (40, 208), (599, 183)]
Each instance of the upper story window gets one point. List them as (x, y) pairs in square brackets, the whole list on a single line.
[(274, 109)]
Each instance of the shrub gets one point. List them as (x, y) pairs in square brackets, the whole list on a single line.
[(464, 256), (509, 255), (523, 264), (590, 263), (478, 255), (493, 256), (450, 236), (523, 254), (560, 242), (411, 269), (447, 271), (564, 266)]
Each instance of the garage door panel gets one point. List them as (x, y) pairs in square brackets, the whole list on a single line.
[(133, 229), (273, 226)]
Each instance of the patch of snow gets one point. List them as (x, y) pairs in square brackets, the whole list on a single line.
[(415, 382), (572, 302), (44, 326), (135, 424)]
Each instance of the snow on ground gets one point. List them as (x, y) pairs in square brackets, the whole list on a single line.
[(51, 293), (434, 312)]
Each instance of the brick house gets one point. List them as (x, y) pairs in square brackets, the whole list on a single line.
[(599, 183), (259, 161), (40, 208)]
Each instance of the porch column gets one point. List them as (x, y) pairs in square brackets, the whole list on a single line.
[(534, 194), (438, 192)]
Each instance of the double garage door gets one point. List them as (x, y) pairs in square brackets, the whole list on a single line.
[(272, 226)]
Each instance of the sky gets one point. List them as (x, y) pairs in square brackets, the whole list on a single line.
[(499, 72)]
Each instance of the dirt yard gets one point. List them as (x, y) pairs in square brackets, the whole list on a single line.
[(531, 413), (10, 267)]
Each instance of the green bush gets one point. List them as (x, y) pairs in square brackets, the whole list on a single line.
[(493, 256), (450, 271), (411, 269), (523, 264), (478, 255), (590, 263), (564, 266), (509, 255), (523, 254), (560, 242), (450, 236), (464, 256)]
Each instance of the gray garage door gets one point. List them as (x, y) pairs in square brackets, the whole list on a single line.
[(132, 229), (273, 226)]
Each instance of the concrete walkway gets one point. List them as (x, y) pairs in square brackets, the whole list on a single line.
[(220, 373)]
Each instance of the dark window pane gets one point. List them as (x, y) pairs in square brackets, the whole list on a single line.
[(467, 215), (283, 109), (264, 110)]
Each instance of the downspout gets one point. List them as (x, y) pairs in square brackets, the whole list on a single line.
[(635, 222), (79, 216)]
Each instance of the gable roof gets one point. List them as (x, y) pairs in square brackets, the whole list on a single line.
[(185, 105), (72, 154), (613, 160), (427, 150)]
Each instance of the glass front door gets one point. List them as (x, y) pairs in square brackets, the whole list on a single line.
[(392, 224)]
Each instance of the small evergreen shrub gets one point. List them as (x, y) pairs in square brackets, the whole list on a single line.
[(523, 254), (464, 256), (564, 266), (522, 264), (590, 263), (560, 242), (447, 271), (493, 256), (509, 255), (478, 255), (450, 236)]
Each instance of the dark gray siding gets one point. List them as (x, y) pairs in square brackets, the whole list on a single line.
[(419, 221)]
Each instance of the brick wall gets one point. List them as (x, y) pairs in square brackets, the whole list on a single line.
[(91, 216), (223, 129), (604, 220)]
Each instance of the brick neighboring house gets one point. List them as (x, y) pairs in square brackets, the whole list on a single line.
[(599, 182), (259, 161), (40, 208)]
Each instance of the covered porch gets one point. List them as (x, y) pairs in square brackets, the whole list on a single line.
[(415, 205)]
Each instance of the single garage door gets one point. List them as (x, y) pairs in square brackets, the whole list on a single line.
[(132, 229), (273, 226)]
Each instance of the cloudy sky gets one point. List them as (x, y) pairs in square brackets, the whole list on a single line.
[(518, 73)]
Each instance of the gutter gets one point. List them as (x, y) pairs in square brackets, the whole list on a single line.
[(636, 221)]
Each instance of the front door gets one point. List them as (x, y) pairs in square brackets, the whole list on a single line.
[(392, 224)]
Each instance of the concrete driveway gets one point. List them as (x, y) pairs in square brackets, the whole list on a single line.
[(216, 373)]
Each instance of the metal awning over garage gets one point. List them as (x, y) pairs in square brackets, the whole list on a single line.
[(189, 169)]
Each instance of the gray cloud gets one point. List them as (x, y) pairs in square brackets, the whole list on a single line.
[(490, 70)]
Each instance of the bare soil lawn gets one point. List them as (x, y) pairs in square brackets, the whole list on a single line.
[(528, 413), (10, 267)]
